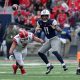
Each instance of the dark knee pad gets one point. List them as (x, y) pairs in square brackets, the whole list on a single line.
[(55, 52), (39, 53)]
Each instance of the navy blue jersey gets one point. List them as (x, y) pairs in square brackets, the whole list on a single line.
[(46, 27)]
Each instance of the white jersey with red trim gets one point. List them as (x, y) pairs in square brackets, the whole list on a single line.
[(21, 45)]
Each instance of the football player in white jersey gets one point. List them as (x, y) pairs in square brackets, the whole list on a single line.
[(19, 48)]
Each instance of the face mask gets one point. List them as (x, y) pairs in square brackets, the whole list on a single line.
[(24, 40)]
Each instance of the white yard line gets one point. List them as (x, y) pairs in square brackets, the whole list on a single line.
[(6, 79), (35, 64), (70, 72)]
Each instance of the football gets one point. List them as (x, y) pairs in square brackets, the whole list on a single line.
[(14, 6)]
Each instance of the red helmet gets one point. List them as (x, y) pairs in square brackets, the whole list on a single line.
[(23, 34)]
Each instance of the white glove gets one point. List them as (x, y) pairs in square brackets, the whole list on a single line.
[(11, 57), (4, 43), (63, 40)]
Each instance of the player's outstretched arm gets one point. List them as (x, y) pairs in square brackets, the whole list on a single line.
[(38, 39), (13, 46)]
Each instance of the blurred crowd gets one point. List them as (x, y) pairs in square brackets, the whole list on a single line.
[(25, 14)]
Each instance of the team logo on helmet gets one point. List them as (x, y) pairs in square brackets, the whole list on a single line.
[(45, 12)]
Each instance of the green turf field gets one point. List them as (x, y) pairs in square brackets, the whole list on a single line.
[(36, 71)]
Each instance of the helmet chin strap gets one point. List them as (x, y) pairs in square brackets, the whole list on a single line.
[(45, 20)]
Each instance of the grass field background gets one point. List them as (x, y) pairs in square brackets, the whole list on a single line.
[(36, 70)]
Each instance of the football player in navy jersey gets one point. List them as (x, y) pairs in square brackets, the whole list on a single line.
[(53, 43)]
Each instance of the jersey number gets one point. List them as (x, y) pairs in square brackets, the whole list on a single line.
[(46, 30)]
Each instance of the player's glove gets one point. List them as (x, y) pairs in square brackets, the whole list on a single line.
[(11, 57)]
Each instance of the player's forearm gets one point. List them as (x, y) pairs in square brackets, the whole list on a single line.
[(12, 49), (58, 29), (38, 40)]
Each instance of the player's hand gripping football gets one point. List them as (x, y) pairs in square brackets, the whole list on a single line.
[(11, 57)]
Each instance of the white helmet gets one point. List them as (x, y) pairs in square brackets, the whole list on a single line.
[(45, 12)]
